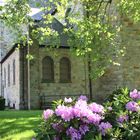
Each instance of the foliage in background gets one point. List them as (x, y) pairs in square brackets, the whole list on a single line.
[(123, 112), (92, 26)]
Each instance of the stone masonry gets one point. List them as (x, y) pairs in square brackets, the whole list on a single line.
[(79, 75), (128, 73)]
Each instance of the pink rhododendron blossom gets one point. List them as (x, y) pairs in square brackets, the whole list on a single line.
[(96, 108), (104, 127), (132, 106), (48, 113), (135, 94), (122, 118), (83, 129), (68, 100), (66, 113), (94, 118), (73, 133), (81, 109), (82, 97), (81, 104), (79, 112)]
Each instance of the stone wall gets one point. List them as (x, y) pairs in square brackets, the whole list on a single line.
[(12, 90), (79, 79), (128, 73)]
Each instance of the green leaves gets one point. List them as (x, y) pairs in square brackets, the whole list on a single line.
[(16, 12), (92, 26), (126, 129), (130, 8)]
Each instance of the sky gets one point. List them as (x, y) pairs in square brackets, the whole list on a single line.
[(1, 2)]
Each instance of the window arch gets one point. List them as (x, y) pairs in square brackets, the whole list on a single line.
[(47, 69), (65, 70)]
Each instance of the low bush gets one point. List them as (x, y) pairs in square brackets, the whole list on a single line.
[(2, 103), (123, 112), (70, 119)]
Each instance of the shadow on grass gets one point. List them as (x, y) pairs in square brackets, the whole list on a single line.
[(18, 122)]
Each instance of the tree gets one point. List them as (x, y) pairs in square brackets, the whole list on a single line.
[(92, 29)]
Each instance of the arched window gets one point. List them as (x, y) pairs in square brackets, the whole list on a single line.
[(65, 70), (47, 69)]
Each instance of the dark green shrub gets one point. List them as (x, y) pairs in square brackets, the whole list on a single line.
[(2, 103), (123, 112)]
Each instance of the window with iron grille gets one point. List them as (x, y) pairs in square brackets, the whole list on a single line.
[(65, 70), (47, 69)]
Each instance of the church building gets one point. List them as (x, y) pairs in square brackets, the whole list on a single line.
[(55, 73)]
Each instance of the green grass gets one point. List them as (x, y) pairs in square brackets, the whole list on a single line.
[(18, 125)]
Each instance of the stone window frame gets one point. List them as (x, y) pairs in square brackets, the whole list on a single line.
[(65, 70), (14, 72), (47, 76), (8, 74)]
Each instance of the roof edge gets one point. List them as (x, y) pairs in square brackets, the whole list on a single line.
[(9, 53)]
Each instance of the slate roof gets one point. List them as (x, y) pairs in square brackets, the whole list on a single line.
[(37, 15), (58, 26)]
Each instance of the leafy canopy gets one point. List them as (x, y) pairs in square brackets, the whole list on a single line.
[(92, 26)]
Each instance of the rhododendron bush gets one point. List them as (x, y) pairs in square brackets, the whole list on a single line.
[(79, 119), (124, 113), (74, 120)]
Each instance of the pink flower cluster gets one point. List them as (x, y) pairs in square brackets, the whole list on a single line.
[(132, 106), (83, 113), (66, 113), (81, 109), (96, 108), (68, 100), (122, 118), (104, 127), (82, 97), (135, 94), (48, 113), (76, 134)]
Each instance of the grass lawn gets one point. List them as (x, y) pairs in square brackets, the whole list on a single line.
[(18, 125)]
